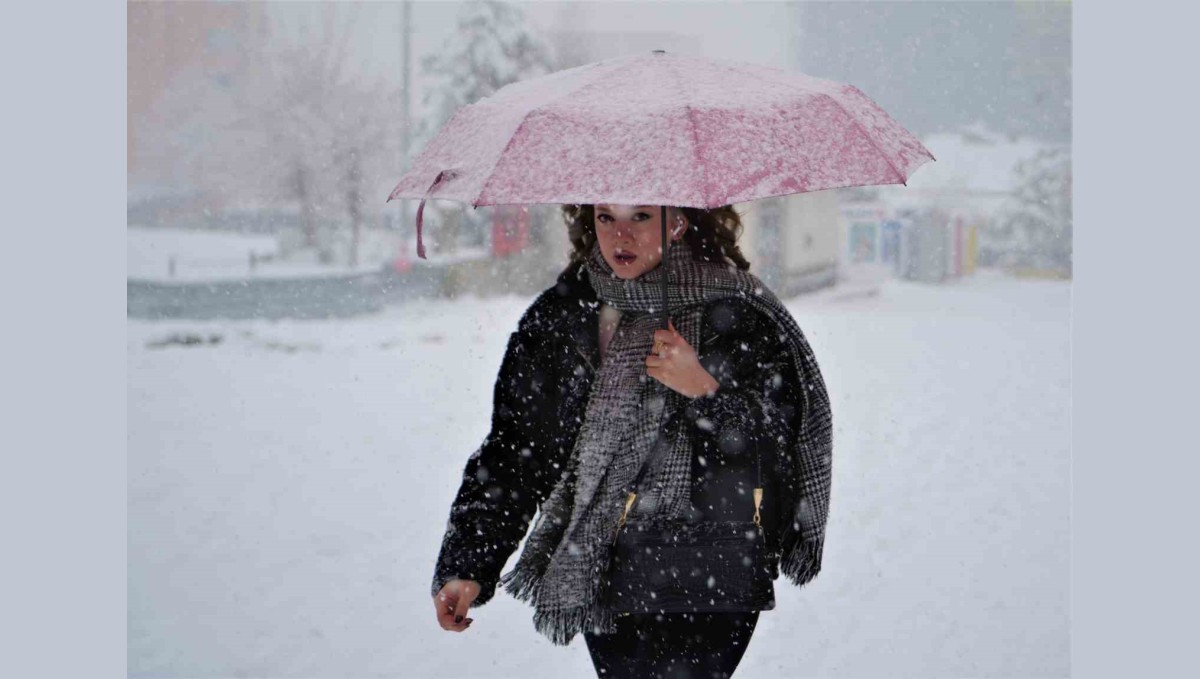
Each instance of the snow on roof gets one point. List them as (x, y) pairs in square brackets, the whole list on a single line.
[(974, 158)]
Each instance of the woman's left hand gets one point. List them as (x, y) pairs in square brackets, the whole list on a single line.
[(678, 366)]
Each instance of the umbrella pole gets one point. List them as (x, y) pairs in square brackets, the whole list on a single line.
[(665, 317)]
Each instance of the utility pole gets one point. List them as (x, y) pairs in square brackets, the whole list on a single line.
[(405, 113)]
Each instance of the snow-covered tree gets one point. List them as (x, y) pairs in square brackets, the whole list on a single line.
[(1038, 218), (494, 47)]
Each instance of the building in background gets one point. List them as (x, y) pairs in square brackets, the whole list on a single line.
[(967, 194), (792, 241), (168, 40)]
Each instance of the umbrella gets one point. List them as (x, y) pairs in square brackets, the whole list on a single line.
[(661, 129)]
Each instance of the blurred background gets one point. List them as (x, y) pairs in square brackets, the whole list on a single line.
[(303, 391), (264, 137)]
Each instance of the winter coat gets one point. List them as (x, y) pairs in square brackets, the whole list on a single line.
[(538, 404)]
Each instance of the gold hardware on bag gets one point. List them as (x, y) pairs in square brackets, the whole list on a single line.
[(628, 503), (757, 501)]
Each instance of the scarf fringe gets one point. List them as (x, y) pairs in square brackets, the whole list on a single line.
[(561, 626), (801, 562), (521, 583)]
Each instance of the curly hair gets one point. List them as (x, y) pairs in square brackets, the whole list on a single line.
[(712, 237)]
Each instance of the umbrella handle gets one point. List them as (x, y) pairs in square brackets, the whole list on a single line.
[(444, 175), (665, 311)]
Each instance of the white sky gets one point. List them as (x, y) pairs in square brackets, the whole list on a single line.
[(756, 32)]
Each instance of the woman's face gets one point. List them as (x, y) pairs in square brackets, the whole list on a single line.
[(630, 236)]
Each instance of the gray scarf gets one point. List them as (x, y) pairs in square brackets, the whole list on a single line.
[(560, 568)]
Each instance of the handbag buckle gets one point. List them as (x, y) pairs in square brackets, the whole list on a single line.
[(758, 493), (628, 503)]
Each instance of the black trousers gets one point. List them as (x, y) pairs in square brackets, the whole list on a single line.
[(672, 645)]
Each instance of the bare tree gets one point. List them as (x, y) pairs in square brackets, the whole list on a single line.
[(295, 127), (367, 144)]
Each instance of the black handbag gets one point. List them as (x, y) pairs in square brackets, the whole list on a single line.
[(679, 566)]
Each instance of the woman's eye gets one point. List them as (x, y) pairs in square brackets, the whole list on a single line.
[(637, 217)]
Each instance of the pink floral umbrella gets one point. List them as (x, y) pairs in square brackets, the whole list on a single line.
[(661, 129)]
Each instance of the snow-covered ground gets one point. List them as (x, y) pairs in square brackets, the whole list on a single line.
[(220, 256), (198, 255), (289, 484), (211, 256)]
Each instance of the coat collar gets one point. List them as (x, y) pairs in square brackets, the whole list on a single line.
[(573, 282), (581, 311)]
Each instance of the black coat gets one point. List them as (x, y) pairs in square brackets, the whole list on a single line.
[(538, 406)]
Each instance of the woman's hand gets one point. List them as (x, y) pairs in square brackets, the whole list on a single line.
[(678, 366), (452, 602)]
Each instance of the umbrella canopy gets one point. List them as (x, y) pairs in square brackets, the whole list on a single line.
[(661, 129)]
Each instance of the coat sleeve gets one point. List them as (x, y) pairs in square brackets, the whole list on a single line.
[(509, 475), (758, 402)]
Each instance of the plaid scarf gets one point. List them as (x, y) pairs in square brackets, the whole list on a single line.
[(560, 568)]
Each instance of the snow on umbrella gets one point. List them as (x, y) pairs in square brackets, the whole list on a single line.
[(661, 129)]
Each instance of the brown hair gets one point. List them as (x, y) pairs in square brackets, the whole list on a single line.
[(711, 238)]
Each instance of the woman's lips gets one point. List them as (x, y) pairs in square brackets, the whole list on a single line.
[(623, 257)]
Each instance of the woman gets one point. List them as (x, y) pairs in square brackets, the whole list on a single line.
[(577, 407)]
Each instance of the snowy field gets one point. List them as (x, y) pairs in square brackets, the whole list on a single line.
[(219, 256), (289, 485), (198, 255)]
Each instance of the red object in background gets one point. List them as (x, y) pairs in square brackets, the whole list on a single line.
[(401, 264), (510, 229)]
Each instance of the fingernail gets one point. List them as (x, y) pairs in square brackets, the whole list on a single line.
[(458, 618)]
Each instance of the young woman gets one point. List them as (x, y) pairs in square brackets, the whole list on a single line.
[(578, 404)]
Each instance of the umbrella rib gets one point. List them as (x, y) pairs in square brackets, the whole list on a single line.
[(857, 122), (851, 116), (689, 113), (706, 197), (499, 157)]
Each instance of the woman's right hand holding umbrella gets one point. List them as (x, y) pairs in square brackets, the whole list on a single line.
[(452, 602)]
